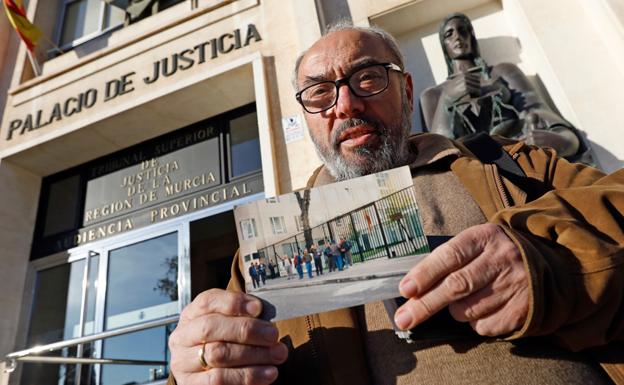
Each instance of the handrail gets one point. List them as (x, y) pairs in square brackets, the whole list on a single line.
[(77, 360), (24, 355)]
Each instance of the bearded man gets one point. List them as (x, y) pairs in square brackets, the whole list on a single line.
[(551, 269)]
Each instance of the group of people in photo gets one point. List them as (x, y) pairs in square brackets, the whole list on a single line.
[(258, 272), (334, 255)]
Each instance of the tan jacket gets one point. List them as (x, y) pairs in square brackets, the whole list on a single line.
[(571, 239)]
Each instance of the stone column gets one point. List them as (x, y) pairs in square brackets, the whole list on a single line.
[(19, 196)]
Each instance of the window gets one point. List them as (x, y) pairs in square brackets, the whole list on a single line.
[(142, 282), (82, 20), (244, 145), (299, 223), (287, 249), (85, 19), (248, 228), (61, 213), (278, 225)]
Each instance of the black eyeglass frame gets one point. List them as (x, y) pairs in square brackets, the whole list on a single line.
[(346, 80)]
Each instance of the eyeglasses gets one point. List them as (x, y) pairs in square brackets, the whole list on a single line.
[(367, 81)]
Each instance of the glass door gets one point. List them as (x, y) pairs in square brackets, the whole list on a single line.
[(63, 308), (141, 285)]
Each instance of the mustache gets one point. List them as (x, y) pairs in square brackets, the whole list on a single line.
[(354, 122)]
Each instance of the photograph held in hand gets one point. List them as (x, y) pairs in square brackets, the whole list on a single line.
[(330, 247)]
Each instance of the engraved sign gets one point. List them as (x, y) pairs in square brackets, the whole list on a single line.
[(163, 211), (153, 181)]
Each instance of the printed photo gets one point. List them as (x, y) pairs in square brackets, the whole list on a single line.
[(329, 247)]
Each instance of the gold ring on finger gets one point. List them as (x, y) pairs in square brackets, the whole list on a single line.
[(202, 360)]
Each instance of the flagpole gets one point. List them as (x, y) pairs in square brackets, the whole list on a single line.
[(56, 47), (34, 63)]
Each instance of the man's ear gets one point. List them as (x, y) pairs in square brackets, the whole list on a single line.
[(409, 90)]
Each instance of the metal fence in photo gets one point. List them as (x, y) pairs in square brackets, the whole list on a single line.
[(387, 228)]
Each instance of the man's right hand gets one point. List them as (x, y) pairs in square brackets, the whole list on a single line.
[(239, 348)]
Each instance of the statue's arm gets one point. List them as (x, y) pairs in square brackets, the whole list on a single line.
[(547, 127), (524, 97)]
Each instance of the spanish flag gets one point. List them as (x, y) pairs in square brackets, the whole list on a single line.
[(17, 16)]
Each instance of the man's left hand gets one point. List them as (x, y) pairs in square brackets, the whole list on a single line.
[(479, 274)]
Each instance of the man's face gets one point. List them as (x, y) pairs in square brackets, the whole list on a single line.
[(357, 136), (457, 39)]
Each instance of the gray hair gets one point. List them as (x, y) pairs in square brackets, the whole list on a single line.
[(347, 25)]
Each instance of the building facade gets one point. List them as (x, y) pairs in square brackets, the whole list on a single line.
[(121, 161)]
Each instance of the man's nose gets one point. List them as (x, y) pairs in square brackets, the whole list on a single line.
[(348, 104)]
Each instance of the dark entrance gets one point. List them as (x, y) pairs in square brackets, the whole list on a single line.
[(213, 245)]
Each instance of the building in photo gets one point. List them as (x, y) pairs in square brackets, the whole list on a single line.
[(121, 161)]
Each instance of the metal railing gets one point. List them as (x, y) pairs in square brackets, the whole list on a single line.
[(33, 354)]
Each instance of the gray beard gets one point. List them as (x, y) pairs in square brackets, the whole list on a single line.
[(394, 150)]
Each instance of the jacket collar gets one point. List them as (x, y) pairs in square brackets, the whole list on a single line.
[(431, 148)]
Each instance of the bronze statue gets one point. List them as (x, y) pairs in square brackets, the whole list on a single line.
[(496, 99)]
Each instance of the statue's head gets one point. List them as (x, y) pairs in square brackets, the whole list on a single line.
[(458, 40)]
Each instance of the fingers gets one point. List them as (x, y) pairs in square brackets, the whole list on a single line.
[(506, 320), (510, 284), (230, 342), (225, 355), (444, 260), (477, 305), (478, 274), (453, 287), (238, 348), (218, 327), (256, 375), (223, 302)]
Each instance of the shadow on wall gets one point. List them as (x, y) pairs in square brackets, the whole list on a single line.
[(500, 49), (507, 49), (417, 63)]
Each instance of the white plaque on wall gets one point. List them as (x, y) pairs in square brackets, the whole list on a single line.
[(293, 128)]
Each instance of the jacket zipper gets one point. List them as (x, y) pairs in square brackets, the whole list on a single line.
[(310, 328), (501, 188)]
